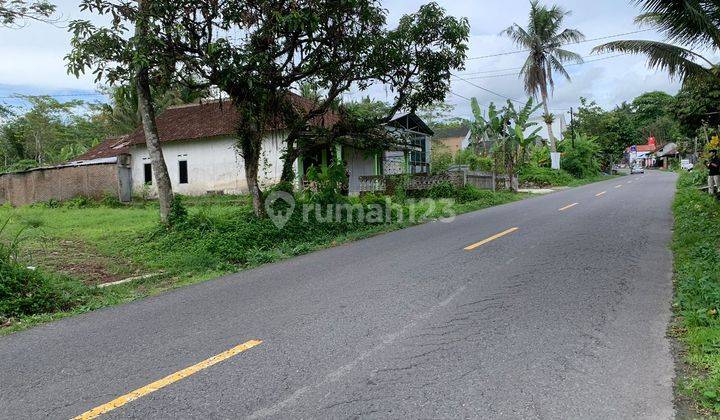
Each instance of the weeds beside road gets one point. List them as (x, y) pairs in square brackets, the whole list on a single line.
[(77, 245), (696, 247)]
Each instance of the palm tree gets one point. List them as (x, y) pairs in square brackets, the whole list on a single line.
[(692, 23), (543, 38)]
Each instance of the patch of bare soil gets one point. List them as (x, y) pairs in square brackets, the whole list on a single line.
[(81, 261)]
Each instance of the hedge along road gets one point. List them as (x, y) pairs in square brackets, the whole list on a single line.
[(551, 307)]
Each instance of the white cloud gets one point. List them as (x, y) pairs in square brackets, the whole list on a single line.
[(33, 56)]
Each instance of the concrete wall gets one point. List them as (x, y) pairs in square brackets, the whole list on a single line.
[(59, 183), (213, 165)]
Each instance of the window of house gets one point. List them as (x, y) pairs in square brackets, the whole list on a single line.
[(148, 173), (183, 171)]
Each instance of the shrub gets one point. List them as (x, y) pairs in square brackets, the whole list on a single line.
[(543, 177), (582, 160), (474, 161), (470, 193), (444, 189), (326, 184), (695, 178), (29, 292), (79, 202), (441, 162), (178, 212), (539, 156), (111, 201)]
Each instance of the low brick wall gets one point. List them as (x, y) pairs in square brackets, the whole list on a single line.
[(59, 183)]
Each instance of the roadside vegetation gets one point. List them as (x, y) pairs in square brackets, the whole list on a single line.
[(74, 246), (696, 246)]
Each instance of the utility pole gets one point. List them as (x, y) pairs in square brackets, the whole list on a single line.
[(572, 127)]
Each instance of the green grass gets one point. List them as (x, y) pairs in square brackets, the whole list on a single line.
[(88, 245), (696, 248)]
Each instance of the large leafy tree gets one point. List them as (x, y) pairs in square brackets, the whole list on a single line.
[(693, 24), (130, 51), (332, 45), (47, 131), (15, 13), (697, 105), (544, 38)]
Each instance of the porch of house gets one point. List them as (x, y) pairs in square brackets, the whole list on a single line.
[(361, 164)]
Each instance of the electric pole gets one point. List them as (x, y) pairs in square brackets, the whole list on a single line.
[(572, 127)]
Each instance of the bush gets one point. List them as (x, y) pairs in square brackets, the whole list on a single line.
[(695, 178), (79, 202), (582, 160), (178, 212), (543, 177), (111, 201), (470, 193), (474, 161), (30, 292), (441, 162), (326, 184), (539, 156), (444, 189)]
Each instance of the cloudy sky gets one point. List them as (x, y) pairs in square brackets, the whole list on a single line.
[(33, 56)]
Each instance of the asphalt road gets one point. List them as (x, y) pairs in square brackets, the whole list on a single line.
[(565, 317)]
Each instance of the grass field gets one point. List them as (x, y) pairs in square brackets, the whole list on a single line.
[(90, 244), (696, 248)]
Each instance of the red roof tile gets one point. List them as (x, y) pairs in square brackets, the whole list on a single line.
[(111, 147), (644, 148), (195, 121), (213, 119)]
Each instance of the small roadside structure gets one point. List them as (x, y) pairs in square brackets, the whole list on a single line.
[(642, 154), (664, 155)]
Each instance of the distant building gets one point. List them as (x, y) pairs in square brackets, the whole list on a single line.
[(454, 138)]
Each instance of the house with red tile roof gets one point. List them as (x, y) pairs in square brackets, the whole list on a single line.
[(200, 148)]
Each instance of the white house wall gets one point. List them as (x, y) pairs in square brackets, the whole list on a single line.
[(358, 164), (213, 165)]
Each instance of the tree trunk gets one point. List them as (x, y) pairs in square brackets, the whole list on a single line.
[(288, 171), (251, 144), (152, 139), (551, 136), (251, 176)]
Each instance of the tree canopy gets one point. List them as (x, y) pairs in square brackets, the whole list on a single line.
[(16, 13)]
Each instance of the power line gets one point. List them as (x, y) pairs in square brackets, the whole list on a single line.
[(486, 89), (470, 73), (68, 95), (492, 76), (460, 96), (496, 93), (569, 43)]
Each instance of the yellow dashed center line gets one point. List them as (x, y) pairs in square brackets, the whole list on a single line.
[(568, 206), (162, 383), (600, 194), (490, 239), (618, 186)]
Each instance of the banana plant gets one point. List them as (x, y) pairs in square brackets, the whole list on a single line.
[(521, 121)]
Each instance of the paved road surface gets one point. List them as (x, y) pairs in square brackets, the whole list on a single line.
[(563, 318)]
